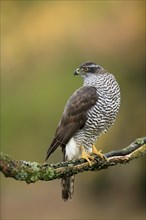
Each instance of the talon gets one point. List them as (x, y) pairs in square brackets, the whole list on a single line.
[(86, 156), (98, 153)]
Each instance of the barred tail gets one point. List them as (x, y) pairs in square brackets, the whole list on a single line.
[(67, 183), (67, 187)]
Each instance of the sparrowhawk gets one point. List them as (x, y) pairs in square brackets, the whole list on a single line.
[(88, 113)]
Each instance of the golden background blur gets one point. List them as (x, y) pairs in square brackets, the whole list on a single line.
[(42, 43)]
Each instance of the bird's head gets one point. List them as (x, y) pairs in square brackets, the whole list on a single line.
[(87, 69)]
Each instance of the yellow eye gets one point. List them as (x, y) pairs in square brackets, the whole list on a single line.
[(86, 69)]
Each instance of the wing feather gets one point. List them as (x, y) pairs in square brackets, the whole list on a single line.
[(74, 116)]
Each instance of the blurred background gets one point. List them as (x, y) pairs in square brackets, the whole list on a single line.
[(42, 43)]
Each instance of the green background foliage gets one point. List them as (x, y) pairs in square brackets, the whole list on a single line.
[(42, 43)]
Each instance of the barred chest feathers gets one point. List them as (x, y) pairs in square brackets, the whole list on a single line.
[(103, 114)]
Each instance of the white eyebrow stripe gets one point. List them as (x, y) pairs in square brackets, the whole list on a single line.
[(93, 65)]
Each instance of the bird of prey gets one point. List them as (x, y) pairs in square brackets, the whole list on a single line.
[(88, 113)]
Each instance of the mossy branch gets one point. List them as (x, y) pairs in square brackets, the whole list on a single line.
[(31, 172)]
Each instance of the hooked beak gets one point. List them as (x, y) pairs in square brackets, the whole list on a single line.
[(76, 72)]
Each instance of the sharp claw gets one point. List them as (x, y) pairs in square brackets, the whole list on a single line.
[(90, 158), (98, 153), (86, 156)]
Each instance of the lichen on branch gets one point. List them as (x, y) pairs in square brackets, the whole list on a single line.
[(31, 172)]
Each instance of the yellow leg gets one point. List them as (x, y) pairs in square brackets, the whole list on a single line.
[(86, 156), (99, 153)]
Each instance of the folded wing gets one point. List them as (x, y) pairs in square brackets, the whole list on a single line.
[(74, 116)]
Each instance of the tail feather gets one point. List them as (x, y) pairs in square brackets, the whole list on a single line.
[(67, 187), (67, 183)]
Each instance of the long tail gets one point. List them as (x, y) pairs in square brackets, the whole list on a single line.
[(67, 183), (67, 187)]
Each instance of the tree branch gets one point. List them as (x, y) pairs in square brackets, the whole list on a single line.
[(31, 172)]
